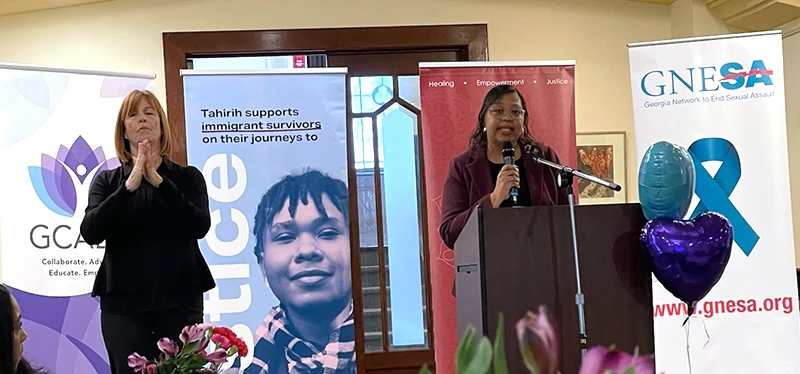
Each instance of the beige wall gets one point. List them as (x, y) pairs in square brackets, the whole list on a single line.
[(791, 67), (125, 35), (692, 18)]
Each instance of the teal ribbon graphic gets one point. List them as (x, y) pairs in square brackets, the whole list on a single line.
[(714, 193)]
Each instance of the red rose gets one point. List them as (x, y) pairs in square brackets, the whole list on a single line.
[(241, 347), (226, 332), (221, 340)]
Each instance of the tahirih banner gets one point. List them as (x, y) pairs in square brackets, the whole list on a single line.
[(272, 146)]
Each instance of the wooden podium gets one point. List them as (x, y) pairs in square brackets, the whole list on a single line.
[(512, 260)]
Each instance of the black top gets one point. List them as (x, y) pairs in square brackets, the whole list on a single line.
[(524, 196), (152, 260)]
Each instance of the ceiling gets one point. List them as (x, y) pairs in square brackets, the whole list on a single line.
[(24, 6), (748, 15), (654, 1)]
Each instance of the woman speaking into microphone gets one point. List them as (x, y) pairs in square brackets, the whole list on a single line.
[(480, 176)]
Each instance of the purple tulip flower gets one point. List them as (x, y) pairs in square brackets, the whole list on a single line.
[(599, 360), (217, 357), (191, 334), (538, 342), (202, 345), (137, 362), (167, 346)]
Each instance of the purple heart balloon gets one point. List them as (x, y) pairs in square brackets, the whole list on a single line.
[(688, 257)]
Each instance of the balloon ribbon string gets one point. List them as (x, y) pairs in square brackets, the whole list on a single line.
[(708, 338), (705, 328), (688, 353)]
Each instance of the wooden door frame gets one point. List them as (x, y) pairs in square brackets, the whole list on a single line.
[(470, 40)]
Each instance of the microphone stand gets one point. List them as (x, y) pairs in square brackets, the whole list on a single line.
[(565, 179)]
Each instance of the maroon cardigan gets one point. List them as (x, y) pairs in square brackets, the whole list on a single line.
[(469, 183)]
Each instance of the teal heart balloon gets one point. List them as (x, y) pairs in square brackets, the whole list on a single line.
[(666, 181)]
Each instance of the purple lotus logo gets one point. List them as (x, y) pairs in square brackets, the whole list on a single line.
[(53, 180)]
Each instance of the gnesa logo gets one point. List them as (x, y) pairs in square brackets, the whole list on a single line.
[(729, 76), (54, 181)]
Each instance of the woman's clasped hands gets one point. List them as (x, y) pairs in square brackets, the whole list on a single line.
[(145, 164)]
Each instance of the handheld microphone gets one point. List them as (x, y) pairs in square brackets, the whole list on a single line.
[(508, 159)]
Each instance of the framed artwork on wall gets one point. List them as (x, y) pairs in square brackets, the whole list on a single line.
[(601, 154)]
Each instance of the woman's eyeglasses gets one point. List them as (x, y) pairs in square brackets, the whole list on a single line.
[(500, 112)]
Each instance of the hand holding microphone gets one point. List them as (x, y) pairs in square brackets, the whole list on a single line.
[(508, 180)]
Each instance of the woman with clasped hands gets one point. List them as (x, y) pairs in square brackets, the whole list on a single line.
[(151, 213), (478, 176)]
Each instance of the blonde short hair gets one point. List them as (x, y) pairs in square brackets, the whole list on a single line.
[(122, 145)]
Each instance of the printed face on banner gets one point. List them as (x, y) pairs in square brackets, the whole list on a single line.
[(273, 150), (306, 255)]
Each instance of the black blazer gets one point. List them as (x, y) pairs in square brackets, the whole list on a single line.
[(152, 259)]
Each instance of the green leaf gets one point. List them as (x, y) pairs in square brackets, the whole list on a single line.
[(188, 349), (482, 361), (425, 370), (528, 358), (466, 350), (630, 370), (500, 364)]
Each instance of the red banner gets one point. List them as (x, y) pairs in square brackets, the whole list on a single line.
[(451, 97)]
